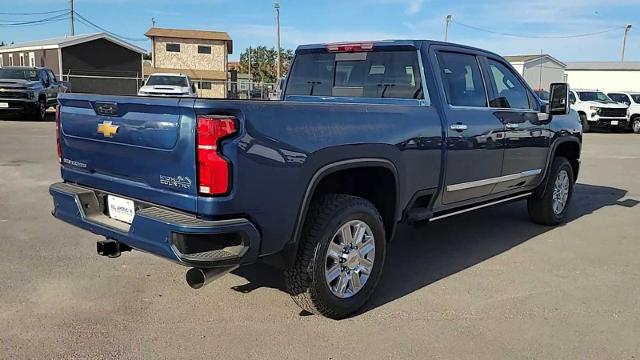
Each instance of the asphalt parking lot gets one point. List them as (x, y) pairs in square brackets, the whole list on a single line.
[(485, 285)]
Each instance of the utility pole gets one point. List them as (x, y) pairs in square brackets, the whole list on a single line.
[(446, 27), (71, 14), (276, 5), (250, 76), (153, 45), (540, 79), (624, 41)]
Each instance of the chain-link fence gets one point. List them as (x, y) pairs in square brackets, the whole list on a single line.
[(129, 84)]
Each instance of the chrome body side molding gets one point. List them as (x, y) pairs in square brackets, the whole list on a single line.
[(491, 181)]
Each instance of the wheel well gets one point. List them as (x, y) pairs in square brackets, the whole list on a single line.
[(571, 151), (635, 116), (582, 113), (376, 184)]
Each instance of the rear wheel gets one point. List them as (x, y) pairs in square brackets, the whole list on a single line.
[(585, 123), (635, 124), (550, 206), (340, 256)]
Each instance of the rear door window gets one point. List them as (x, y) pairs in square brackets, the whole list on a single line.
[(462, 79), (508, 89), (382, 74)]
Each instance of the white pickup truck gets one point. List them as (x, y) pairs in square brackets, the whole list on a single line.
[(168, 85), (597, 110), (632, 100)]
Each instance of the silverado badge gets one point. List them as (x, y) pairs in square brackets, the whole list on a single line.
[(107, 129)]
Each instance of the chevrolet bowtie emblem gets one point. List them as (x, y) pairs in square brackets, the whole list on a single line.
[(107, 129)]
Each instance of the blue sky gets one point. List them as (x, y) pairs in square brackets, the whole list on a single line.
[(251, 22)]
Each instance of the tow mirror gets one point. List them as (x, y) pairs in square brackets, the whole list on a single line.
[(559, 99)]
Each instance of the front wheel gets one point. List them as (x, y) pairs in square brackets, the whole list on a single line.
[(41, 110), (635, 124), (585, 124), (550, 207), (340, 256)]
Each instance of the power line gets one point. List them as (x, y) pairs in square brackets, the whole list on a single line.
[(55, 18), (89, 23), (537, 36), (33, 13), (35, 24)]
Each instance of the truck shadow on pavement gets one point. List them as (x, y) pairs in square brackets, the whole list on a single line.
[(49, 117), (419, 257)]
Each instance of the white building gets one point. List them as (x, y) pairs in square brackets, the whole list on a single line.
[(605, 76), (540, 70)]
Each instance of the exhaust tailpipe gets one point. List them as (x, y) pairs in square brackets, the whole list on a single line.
[(197, 278)]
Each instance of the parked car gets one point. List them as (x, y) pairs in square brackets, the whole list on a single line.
[(316, 183), (597, 110), (28, 91), (632, 100), (168, 85)]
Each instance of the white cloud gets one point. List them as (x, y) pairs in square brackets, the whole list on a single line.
[(412, 7)]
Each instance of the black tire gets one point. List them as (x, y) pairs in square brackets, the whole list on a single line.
[(585, 123), (306, 280), (41, 111), (541, 205), (635, 125)]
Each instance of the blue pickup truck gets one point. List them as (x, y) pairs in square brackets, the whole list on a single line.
[(367, 135)]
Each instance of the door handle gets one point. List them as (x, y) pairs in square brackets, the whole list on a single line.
[(512, 126), (458, 127)]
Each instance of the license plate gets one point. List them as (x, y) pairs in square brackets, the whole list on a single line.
[(4, 105), (614, 122), (121, 209)]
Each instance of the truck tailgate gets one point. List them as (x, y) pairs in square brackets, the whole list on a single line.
[(136, 147)]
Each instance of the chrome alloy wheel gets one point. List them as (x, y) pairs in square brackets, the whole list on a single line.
[(349, 259), (561, 192)]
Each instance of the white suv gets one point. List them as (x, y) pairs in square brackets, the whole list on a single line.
[(632, 100), (596, 109)]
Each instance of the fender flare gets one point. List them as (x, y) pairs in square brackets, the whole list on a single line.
[(333, 167), (551, 155)]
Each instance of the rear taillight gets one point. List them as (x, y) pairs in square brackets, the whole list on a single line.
[(353, 47), (58, 133), (214, 171)]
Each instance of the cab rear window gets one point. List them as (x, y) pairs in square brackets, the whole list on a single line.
[(383, 74)]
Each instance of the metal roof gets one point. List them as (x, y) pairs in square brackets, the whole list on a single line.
[(604, 65), (528, 58), (191, 34), (61, 42)]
